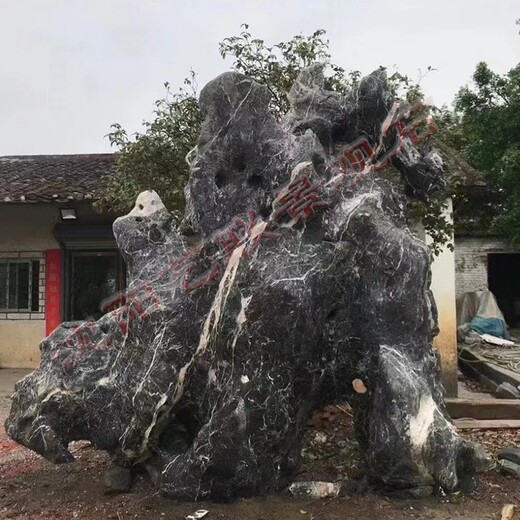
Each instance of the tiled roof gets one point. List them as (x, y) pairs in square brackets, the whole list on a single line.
[(468, 176), (52, 178)]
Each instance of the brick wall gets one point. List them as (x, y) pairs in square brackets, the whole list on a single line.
[(471, 261)]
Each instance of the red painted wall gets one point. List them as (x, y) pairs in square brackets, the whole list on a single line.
[(52, 289)]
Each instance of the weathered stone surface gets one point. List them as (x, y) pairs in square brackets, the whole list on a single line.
[(118, 480), (509, 468), (511, 453), (283, 297)]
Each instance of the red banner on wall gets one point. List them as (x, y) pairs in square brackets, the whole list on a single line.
[(52, 289)]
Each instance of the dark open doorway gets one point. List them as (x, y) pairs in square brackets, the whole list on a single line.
[(504, 283), (91, 277)]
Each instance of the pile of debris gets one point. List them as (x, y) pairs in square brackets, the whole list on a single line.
[(487, 351), (479, 317)]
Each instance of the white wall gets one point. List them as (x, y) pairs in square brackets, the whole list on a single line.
[(27, 227), (443, 288), (25, 231)]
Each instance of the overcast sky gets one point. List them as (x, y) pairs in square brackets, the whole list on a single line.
[(70, 68)]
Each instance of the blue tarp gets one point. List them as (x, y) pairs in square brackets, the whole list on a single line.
[(494, 326), (479, 311)]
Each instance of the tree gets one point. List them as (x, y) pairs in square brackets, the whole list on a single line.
[(487, 130), (278, 66), (156, 158)]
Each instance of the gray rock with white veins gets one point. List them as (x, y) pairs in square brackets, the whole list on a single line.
[(509, 468), (224, 346)]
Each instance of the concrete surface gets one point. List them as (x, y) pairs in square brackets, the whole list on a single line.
[(8, 378), (465, 392)]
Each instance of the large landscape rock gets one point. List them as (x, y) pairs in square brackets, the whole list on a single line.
[(294, 283)]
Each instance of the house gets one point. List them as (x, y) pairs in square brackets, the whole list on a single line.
[(59, 260), (486, 261), (472, 265), (58, 256)]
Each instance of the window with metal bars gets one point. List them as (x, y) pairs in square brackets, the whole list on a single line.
[(19, 287)]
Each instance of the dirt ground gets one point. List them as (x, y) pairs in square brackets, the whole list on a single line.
[(32, 488)]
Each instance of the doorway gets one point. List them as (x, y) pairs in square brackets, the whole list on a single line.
[(504, 283), (90, 278)]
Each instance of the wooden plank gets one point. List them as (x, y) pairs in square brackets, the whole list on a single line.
[(474, 424), (487, 369), (472, 372), (483, 408)]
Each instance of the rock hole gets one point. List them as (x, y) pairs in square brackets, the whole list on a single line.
[(155, 235), (332, 314), (104, 328), (265, 212), (221, 178), (239, 163), (255, 180)]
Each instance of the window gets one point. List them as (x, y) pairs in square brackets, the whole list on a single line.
[(19, 285)]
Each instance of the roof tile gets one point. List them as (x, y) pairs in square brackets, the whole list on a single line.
[(52, 178)]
